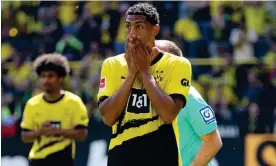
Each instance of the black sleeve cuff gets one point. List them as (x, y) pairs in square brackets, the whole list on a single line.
[(179, 96), (102, 99), (26, 129), (80, 127)]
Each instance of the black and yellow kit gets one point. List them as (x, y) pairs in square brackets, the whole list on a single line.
[(140, 137), (68, 112)]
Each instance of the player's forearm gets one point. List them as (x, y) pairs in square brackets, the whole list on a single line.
[(163, 104), (29, 136), (76, 134), (207, 152), (112, 107)]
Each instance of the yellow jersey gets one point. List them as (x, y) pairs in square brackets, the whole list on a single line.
[(139, 123), (67, 112)]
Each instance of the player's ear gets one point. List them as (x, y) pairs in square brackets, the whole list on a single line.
[(156, 29)]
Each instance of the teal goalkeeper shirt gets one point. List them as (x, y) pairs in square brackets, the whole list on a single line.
[(194, 120)]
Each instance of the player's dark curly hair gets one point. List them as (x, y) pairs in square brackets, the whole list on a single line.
[(145, 9), (52, 62)]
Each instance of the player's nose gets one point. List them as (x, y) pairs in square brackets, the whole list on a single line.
[(132, 30), (45, 81)]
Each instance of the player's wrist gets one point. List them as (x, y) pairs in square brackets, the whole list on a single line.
[(38, 133), (132, 75), (59, 132), (145, 74)]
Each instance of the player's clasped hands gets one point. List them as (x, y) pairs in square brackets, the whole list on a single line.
[(129, 57), (138, 54), (47, 130), (141, 55)]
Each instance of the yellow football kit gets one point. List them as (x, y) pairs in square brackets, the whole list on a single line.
[(68, 112), (139, 136)]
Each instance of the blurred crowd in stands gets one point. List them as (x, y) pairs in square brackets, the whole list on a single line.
[(231, 45)]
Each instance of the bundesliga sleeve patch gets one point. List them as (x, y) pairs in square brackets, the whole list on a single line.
[(102, 83), (207, 115)]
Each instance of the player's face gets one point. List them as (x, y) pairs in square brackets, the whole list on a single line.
[(50, 81), (138, 25)]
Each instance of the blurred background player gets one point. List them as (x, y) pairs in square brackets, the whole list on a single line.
[(55, 119), (195, 126), (141, 93)]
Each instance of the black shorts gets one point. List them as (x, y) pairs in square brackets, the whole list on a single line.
[(158, 148), (49, 162), (61, 158)]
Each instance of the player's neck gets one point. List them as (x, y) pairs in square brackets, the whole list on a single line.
[(151, 44), (53, 96)]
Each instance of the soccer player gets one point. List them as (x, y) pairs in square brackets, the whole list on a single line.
[(55, 119), (140, 94), (195, 126)]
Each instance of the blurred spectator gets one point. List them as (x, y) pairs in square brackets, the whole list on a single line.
[(248, 120), (254, 85), (217, 14), (88, 27), (6, 29), (227, 71), (52, 30), (266, 104), (90, 62), (6, 51), (190, 35), (106, 39), (87, 77), (167, 34), (121, 33), (243, 41), (111, 10), (19, 75), (67, 15), (204, 83), (253, 117), (270, 58), (221, 98), (272, 74), (255, 18), (109, 52), (168, 13), (271, 14), (96, 7), (70, 47)]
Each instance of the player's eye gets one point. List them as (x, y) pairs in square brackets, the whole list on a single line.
[(128, 26), (139, 26)]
